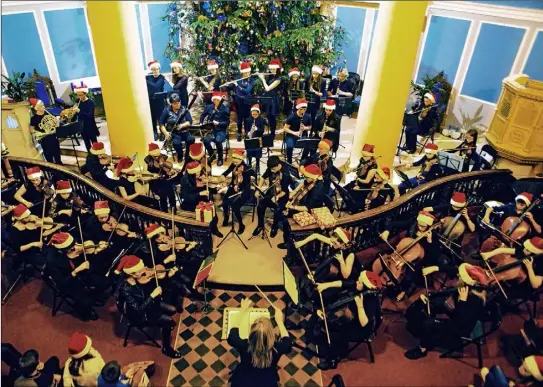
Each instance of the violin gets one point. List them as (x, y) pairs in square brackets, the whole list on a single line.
[(91, 247), (180, 244), (148, 274), (110, 224), (124, 231), (105, 160), (46, 188), (516, 227), (36, 222)]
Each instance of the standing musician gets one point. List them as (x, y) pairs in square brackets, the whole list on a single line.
[(169, 178), (44, 126), (297, 125), (243, 97), (139, 296), (194, 190), (155, 84), (126, 186), (469, 308), (293, 89), (214, 81), (430, 169), (515, 209), (340, 86), (255, 125), (468, 150), (85, 112), (239, 188), (316, 86), (426, 123), (66, 205), (174, 121), (272, 103), (180, 82), (36, 192), (219, 114), (327, 124), (304, 197), (366, 165), (98, 164), (276, 195), (324, 161)]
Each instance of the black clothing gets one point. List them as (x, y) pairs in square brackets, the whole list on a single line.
[(44, 377), (190, 197), (259, 123), (170, 119), (314, 101), (49, 144), (222, 116), (156, 102), (35, 196), (232, 199), (421, 126), (98, 172), (326, 165), (284, 181), (180, 87), (295, 121), (291, 91), (272, 103), (332, 121), (434, 172), (90, 129), (242, 100), (33, 255)]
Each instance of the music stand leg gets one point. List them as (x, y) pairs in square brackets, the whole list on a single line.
[(264, 235), (399, 147), (232, 231), (75, 153)]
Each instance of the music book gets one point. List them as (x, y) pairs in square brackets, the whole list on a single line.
[(253, 143), (205, 270), (291, 287), (231, 320)]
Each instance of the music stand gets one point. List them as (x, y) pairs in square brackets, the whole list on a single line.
[(264, 232), (70, 131), (203, 274), (451, 160), (232, 198)]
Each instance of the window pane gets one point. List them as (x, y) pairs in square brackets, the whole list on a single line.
[(352, 19), (443, 47), (537, 4), (534, 65), (138, 17), (492, 59), (159, 33), (71, 45), (21, 46), (375, 15)]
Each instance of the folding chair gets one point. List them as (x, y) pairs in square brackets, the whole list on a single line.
[(129, 325), (59, 298)]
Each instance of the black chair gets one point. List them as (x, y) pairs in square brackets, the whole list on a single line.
[(337, 381), (59, 298), (488, 157), (129, 325), (10, 356)]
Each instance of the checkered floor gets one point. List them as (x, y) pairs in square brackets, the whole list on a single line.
[(208, 361)]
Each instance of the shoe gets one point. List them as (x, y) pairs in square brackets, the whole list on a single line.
[(219, 163), (172, 353), (196, 296), (217, 233), (241, 229), (273, 233), (416, 353), (258, 230), (238, 137), (325, 364), (225, 222), (282, 246)]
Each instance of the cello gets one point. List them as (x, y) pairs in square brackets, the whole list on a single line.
[(454, 227), (516, 227)]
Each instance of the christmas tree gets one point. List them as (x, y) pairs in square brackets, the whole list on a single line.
[(296, 32)]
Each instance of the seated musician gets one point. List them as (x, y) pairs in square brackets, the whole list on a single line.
[(66, 205), (293, 89), (276, 195), (98, 164), (239, 189), (469, 308), (378, 193), (45, 124), (468, 150), (218, 114), (328, 124), (36, 192), (304, 197), (194, 191), (174, 121), (102, 224), (141, 301), (126, 185), (297, 125), (243, 96), (365, 171), (426, 123), (354, 315), (515, 209), (532, 368), (255, 125), (326, 164), (388, 190), (430, 169), (168, 180)]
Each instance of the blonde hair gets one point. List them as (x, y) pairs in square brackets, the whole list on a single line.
[(261, 341)]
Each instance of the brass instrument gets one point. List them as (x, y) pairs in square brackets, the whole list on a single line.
[(253, 130), (67, 115), (48, 126)]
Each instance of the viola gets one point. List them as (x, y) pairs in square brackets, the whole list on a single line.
[(180, 244), (110, 224), (148, 274), (36, 222)]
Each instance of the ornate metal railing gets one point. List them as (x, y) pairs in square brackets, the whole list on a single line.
[(480, 187), (136, 215)]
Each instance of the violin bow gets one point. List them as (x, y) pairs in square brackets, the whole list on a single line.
[(81, 236), (42, 217), (427, 295), (495, 279), (154, 264), (265, 297), (116, 225), (173, 232)]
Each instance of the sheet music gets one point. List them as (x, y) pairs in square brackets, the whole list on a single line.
[(291, 287), (230, 320)]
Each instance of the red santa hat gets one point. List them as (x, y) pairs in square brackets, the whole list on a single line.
[(63, 186), (81, 89), (245, 67), (526, 197), (458, 199), (330, 104), (534, 365), (426, 218), (217, 95), (154, 64), (194, 167), (101, 207), (386, 171), (154, 229), (325, 144), (212, 64), (472, 275), (196, 151), (294, 71), (534, 245), (154, 149), (431, 148), (129, 264), (371, 280), (301, 103), (62, 240), (238, 154), (255, 108), (385, 175), (21, 212), (34, 172), (79, 345), (97, 148), (275, 64), (34, 102), (367, 150), (431, 97), (316, 69), (312, 171), (125, 165), (343, 234), (176, 63)]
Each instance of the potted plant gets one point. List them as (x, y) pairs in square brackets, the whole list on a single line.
[(18, 88), (440, 87)]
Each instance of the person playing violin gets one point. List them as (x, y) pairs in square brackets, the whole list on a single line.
[(365, 171), (377, 194), (325, 162), (430, 169), (141, 301), (219, 115), (169, 178), (468, 150), (34, 191), (297, 125), (126, 186), (427, 115), (67, 205), (102, 224), (515, 209), (197, 152), (155, 163), (98, 164)]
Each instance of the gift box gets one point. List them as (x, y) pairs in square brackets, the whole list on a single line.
[(304, 218), (205, 211), (324, 217)]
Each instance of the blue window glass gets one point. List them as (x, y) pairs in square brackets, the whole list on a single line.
[(536, 4), (138, 17), (352, 19), (21, 46), (534, 65), (159, 33), (375, 15), (443, 48), (71, 44), (492, 59)]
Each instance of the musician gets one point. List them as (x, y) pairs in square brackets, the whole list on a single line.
[(243, 96), (515, 209), (532, 367), (272, 101), (297, 125), (155, 162), (168, 179), (365, 173), (44, 123), (255, 125), (315, 86), (97, 165), (102, 224), (155, 84), (304, 197), (194, 191), (177, 118), (468, 150), (276, 195), (341, 86), (214, 82), (293, 90), (142, 303), (457, 204), (386, 189), (66, 205), (374, 196), (430, 169), (180, 82), (85, 112), (324, 161), (239, 188), (36, 192), (328, 124), (427, 118), (219, 114), (126, 185), (469, 308), (197, 153)]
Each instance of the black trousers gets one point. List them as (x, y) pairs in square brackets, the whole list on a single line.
[(243, 111), (235, 204), (88, 139), (277, 208), (51, 149), (411, 133), (160, 315)]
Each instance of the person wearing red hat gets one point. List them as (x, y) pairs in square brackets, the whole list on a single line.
[(99, 164), (255, 125), (218, 114), (180, 82), (327, 123), (155, 90), (293, 90), (44, 126), (365, 172), (66, 205), (243, 96), (142, 302), (174, 121), (430, 169), (84, 364), (342, 89), (126, 185), (272, 98), (468, 150), (457, 207), (515, 209), (297, 125), (324, 161), (36, 190), (425, 123), (101, 225), (84, 107), (315, 89), (532, 367), (211, 82)]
